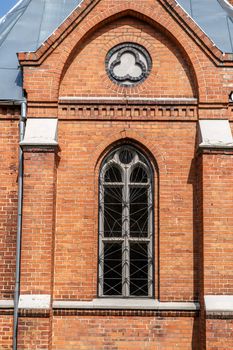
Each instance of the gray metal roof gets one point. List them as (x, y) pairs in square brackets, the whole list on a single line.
[(25, 28), (31, 22), (214, 17)]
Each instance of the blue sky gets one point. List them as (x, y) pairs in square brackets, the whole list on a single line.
[(6, 5)]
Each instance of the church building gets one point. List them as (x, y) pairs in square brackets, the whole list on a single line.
[(116, 181)]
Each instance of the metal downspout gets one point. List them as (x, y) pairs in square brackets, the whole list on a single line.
[(19, 222)]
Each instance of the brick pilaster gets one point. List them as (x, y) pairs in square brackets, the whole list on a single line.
[(217, 239), (37, 244)]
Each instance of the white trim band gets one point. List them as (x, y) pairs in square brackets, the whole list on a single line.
[(127, 304), (107, 98), (43, 302), (219, 303), (6, 304), (34, 301)]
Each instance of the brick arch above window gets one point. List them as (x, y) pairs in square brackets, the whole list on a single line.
[(129, 136)]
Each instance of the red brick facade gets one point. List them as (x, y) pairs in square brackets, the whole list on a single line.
[(193, 197)]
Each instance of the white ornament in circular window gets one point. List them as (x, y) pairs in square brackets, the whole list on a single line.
[(128, 64)]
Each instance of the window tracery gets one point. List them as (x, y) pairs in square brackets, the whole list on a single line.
[(126, 224)]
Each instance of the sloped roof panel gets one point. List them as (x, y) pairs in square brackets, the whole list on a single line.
[(25, 28), (8, 21), (214, 17)]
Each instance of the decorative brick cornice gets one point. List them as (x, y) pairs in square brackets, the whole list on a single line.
[(142, 313), (219, 315), (133, 109), (41, 149), (10, 112), (211, 151), (42, 313), (6, 312), (112, 112)]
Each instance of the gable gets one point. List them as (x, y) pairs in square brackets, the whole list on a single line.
[(170, 76), (45, 70), (45, 17)]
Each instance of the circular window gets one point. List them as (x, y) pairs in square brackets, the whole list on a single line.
[(126, 156), (128, 64)]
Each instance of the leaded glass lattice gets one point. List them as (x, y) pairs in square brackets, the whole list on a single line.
[(125, 224)]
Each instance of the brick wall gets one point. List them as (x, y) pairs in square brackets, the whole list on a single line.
[(122, 333), (219, 334), (38, 222), (60, 212), (86, 73), (8, 201), (77, 206), (6, 331), (218, 223), (33, 333)]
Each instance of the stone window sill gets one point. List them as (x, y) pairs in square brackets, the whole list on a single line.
[(126, 304), (101, 304)]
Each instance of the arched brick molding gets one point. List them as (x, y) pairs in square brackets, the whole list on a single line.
[(138, 139), (170, 29), (159, 83)]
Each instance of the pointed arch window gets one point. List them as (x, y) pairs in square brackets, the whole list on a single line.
[(126, 224)]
